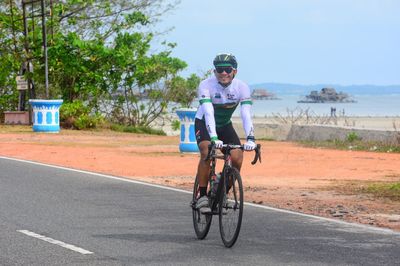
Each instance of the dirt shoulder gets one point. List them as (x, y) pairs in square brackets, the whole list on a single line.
[(290, 176)]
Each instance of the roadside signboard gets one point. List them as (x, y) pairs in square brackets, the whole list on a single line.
[(22, 83)]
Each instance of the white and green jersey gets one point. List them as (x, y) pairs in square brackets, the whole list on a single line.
[(217, 104)]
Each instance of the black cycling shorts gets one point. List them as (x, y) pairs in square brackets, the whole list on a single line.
[(226, 133)]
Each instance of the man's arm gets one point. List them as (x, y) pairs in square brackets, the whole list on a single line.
[(208, 111), (245, 111)]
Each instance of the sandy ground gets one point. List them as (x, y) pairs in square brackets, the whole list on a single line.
[(361, 122), (387, 123), (290, 176)]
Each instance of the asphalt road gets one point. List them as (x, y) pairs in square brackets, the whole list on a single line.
[(54, 216)]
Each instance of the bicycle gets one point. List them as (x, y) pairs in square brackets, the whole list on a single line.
[(227, 202)]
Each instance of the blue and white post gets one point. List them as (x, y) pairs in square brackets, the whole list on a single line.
[(188, 138), (46, 115)]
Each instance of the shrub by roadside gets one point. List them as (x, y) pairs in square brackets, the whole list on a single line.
[(353, 144), (76, 115), (382, 189)]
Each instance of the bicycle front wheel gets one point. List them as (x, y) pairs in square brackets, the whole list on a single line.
[(231, 209), (201, 222)]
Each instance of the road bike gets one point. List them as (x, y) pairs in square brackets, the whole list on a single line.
[(225, 198)]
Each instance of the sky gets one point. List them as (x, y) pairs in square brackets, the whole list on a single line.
[(345, 42)]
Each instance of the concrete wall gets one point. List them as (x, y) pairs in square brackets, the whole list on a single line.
[(16, 118), (317, 133), (265, 131)]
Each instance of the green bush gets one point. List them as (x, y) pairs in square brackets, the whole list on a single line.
[(388, 190), (78, 116), (352, 136), (85, 121), (176, 125)]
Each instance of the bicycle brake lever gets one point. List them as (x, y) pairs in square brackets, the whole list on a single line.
[(257, 156)]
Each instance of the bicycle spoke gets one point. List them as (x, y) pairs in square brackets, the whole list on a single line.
[(201, 222), (231, 209), (228, 201)]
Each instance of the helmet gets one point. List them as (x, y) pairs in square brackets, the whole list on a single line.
[(225, 60)]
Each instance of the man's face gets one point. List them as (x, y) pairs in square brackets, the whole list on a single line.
[(225, 74)]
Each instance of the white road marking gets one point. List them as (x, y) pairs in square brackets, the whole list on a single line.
[(361, 226), (97, 174), (56, 242)]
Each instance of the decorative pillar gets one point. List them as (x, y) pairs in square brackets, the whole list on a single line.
[(46, 115), (188, 138)]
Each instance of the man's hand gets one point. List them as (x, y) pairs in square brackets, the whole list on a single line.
[(249, 145), (218, 143)]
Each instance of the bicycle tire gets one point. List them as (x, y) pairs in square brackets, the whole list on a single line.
[(201, 222), (231, 207)]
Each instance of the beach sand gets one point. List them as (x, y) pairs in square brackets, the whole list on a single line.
[(389, 123), (362, 122)]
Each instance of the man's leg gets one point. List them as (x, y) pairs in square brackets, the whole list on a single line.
[(237, 158), (229, 136), (203, 168)]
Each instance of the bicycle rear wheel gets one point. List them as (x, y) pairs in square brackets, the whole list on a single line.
[(231, 209), (201, 222)]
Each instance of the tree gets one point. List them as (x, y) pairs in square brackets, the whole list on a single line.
[(140, 83), (10, 54), (8, 93), (97, 56), (104, 19), (184, 91)]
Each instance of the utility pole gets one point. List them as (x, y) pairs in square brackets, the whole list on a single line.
[(44, 36), (44, 39)]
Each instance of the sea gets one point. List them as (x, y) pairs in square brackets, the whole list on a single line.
[(365, 105)]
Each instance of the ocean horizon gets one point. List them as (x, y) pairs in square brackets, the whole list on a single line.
[(365, 105)]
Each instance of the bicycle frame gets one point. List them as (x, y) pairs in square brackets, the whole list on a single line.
[(227, 164), (226, 201), (226, 150)]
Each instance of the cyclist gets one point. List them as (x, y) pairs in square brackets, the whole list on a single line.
[(219, 96)]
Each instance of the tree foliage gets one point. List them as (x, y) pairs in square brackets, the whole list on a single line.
[(139, 84), (103, 19), (185, 90), (99, 55), (10, 45)]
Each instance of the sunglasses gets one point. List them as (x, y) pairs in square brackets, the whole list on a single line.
[(227, 70)]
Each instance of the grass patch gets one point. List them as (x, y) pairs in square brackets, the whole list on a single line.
[(139, 130), (356, 145), (378, 189), (386, 190), (15, 129), (267, 139)]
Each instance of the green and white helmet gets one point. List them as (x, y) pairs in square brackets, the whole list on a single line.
[(222, 60)]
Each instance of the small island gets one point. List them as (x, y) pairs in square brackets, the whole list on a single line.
[(327, 95), (263, 94)]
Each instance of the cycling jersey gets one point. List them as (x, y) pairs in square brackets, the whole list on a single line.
[(218, 103)]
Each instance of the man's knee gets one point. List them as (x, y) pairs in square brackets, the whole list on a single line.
[(203, 147), (237, 158)]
